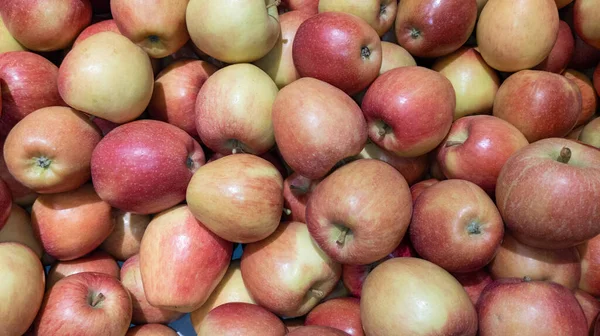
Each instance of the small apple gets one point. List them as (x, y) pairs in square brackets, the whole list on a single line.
[(561, 54), (585, 20), (342, 314), (590, 266), (589, 99), (18, 229), (241, 318), (297, 190), (96, 261), (474, 283), (125, 239), (307, 6), (590, 133), (394, 56), (590, 306), (412, 168)]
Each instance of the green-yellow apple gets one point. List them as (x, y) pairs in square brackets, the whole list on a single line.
[(589, 99), (125, 239), (379, 14), (7, 41), (394, 56), (562, 52), (97, 261), (341, 313), (241, 318), (412, 168), (590, 266), (590, 133), (585, 21), (18, 229), (153, 329)]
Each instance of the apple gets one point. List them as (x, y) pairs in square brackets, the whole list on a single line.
[(360, 213), (238, 118), (98, 27), (379, 14), (434, 28), (590, 133), (297, 190), (562, 3), (145, 166), (270, 156), (389, 105), (18, 229), (85, 301), (108, 76), (338, 48), (338, 292), (585, 21), (97, 261), (6, 203), (181, 261), (21, 288), (474, 282), (29, 83), (142, 311), (243, 319), (46, 25), (50, 149), (589, 101), (394, 56), (412, 168), (238, 197), (561, 54), (417, 189), (81, 213), (313, 151), (514, 35), (317, 330), (535, 186), (540, 104), (231, 31), (471, 229), (7, 41), (151, 330), (574, 134), (590, 266), (307, 6), (342, 314), (525, 307), (517, 260), (475, 83), (278, 62), (590, 306), (175, 90), (585, 56), (426, 300), (157, 26), (125, 239), (476, 149), (287, 273)]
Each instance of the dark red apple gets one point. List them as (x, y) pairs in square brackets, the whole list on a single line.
[(341, 313), (296, 192), (562, 52), (590, 266), (474, 282), (590, 306)]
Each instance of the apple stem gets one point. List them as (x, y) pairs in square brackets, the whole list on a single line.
[(565, 155), (474, 228), (342, 237), (287, 211), (302, 190), (317, 293), (453, 143), (43, 162), (526, 278), (275, 3), (97, 299)]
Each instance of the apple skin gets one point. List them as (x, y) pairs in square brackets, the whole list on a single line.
[(6, 203), (142, 311), (313, 151), (585, 21), (418, 284), (394, 56), (99, 27), (297, 190), (46, 25), (590, 133), (561, 54), (267, 265), (108, 76), (18, 229), (81, 213), (585, 56), (516, 35), (517, 260), (379, 14), (181, 261), (412, 168), (7, 41), (145, 166), (474, 283), (59, 141), (242, 319), (360, 213), (527, 307), (417, 189), (548, 218), (238, 197), (233, 110), (475, 83), (270, 156), (590, 266), (472, 230), (477, 147), (316, 330), (97, 261), (125, 239), (389, 105), (589, 100), (433, 28), (21, 289), (175, 90), (323, 47), (540, 104), (151, 330), (307, 6), (29, 83), (590, 306), (157, 26), (71, 307), (342, 314)]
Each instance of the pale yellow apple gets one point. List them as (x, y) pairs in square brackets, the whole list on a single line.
[(481, 4), (7, 41), (18, 229), (394, 56), (590, 134), (233, 31), (379, 14)]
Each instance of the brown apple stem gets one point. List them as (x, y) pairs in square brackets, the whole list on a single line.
[(342, 237), (453, 143), (565, 155), (526, 278), (43, 162), (275, 3), (317, 293), (97, 299), (287, 211), (474, 228)]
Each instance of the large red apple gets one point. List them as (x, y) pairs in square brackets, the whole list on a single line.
[(540, 104), (297, 190), (474, 282), (561, 54), (379, 14), (96, 261), (242, 319), (389, 105), (590, 306), (589, 99), (342, 314), (145, 166), (18, 229), (590, 266), (99, 27), (412, 168), (338, 48), (547, 193), (125, 239), (585, 20)]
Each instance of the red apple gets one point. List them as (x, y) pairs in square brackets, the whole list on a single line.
[(85, 301), (342, 314), (523, 307), (316, 330), (561, 54), (99, 27), (307, 6), (590, 266), (585, 20), (434, 28), (590, 306), (540, 104), (537, 189), (589, 101), (287, 273), (417, 189), (46, 25), (394, 56), (338, 48), (477, 147), (81, 213), (181, 261), (438, 303), (474, 283), (6, 203), (96, 261), (517, 260), (18, 229), (125, 239), (584, 56), (389, 105), (151, 330), (412, 168), (297, 189), (145, 166), (242, 319), (379, 14), (175, 90)]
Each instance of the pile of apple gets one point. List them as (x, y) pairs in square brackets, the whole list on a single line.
[(421, 167)]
